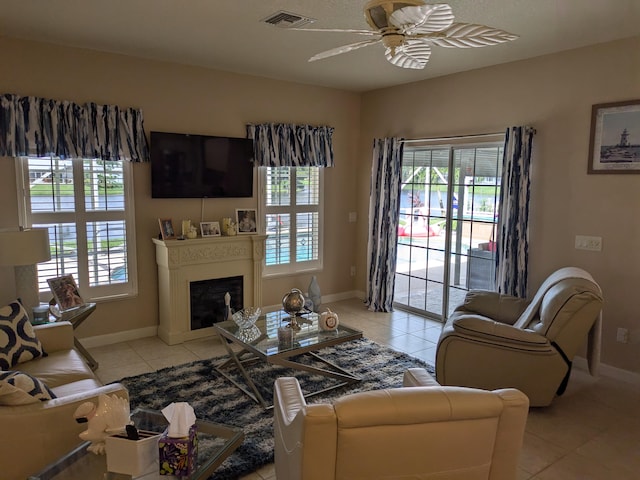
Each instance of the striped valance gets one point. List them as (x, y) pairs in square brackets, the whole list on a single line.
[(284, 145), (32, 126)]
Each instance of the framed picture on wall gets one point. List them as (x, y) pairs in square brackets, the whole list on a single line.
[(614, 146), (166, 229), (247, 221), (210, 229)]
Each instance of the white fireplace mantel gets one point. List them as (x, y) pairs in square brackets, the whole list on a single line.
[(181, 262)]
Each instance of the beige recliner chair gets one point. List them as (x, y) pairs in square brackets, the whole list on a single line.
[(448, 433), (37, 434), (499, 341)]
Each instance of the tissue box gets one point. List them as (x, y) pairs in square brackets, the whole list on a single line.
[(178, 455), (133, 457)]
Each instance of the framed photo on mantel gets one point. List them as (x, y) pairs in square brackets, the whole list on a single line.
[(166, 229), (247, 222), (210, 229)]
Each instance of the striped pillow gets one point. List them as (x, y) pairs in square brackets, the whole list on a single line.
[(18, 342), (17, 388)]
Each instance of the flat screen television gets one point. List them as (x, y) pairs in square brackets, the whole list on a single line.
[(200, 166)]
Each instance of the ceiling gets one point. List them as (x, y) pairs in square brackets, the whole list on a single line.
[(230, 35)]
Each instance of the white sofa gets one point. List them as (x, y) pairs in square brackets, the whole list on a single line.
[(37, 434), (431, 431)]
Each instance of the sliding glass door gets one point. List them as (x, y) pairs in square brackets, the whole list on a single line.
[(448, 216)]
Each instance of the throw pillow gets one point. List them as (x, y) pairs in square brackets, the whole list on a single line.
[(17, 388), (18, 341)]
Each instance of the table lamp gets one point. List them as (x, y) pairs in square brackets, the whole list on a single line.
[(24, 249)]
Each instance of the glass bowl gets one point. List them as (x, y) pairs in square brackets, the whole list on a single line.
[(246, 317)]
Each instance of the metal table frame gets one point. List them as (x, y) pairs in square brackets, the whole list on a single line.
[(248, 354), (76, 317)]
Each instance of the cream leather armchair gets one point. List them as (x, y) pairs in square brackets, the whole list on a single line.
[(449, 433), (498, 341), (37, 434)]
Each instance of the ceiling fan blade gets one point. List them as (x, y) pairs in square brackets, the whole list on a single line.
[(338, 30), (414, 53), (344, 49), (467, 35), (422, 18)]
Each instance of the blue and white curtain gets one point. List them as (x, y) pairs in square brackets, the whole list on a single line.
[(32, 126), (386, 180), (513, 223), (284, 145)]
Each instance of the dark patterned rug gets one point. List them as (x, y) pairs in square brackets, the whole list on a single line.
[(214, 398)]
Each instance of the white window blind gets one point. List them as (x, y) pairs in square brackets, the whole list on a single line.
[(87, 207), (292, 209)]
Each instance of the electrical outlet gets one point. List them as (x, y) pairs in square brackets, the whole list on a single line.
[(353, 270), (584, 242), (622, 336), (353, 217)]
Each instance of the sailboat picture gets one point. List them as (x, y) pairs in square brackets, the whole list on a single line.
[(615, 138)]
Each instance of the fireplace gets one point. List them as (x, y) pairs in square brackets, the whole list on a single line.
[(207, 300), (185, 263)]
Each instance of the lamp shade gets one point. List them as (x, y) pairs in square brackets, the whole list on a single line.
[(24, 247)]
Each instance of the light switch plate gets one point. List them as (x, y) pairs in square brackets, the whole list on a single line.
[(584, 242)]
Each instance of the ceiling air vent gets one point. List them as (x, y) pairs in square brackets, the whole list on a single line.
[(284, 19)]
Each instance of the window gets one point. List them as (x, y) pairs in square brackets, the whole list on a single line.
[(448, 218), (87, 206), (292, 209)]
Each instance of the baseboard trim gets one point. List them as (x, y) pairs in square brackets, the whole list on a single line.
[(616, 373), (126, 336)]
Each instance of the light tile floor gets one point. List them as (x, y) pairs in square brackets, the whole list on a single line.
[(592, 432)]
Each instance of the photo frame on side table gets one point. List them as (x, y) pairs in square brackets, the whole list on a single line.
[(210, 229), (246, 220), (614, 145), (166, 229), (65, 292)]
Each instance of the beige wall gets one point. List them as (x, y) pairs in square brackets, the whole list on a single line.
[(190, 100), (554, 94)]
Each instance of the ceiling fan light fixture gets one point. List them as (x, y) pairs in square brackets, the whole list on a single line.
[(393, 40), (409, 28), (377, 12)]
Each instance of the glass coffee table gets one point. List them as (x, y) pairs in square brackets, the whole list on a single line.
[(215, 443), (265, 342)]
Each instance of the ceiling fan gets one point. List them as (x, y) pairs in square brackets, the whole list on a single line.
[(408, 28)]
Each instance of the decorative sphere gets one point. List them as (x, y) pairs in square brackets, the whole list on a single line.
[(293, 302)]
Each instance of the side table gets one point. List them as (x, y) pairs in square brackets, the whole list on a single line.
[(215, 443), (76, 317)]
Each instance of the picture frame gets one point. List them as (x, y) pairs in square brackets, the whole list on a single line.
[(210, 229), (246, 221), (65, 292), (166, 229), (614, 144)]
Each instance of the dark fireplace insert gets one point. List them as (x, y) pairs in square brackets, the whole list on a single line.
[(207, 300)]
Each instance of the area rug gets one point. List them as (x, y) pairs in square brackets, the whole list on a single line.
[(214, 398)]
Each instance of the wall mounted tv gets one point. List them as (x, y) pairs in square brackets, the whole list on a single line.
[(200, 166)]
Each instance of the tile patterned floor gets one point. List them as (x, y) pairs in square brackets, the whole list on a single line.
[(592, 432)]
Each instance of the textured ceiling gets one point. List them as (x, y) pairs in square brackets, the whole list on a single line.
[(229, 34)]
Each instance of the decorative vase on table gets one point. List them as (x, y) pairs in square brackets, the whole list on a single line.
[(314, 294)]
